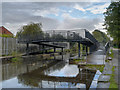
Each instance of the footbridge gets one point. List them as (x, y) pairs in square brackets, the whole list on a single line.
[(81, 36)]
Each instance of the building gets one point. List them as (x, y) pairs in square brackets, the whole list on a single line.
[(5, 31)]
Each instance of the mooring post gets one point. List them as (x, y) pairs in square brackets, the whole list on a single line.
[(27, 48), (79, 49)]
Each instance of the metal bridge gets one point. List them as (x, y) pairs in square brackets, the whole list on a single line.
[(81, 36)]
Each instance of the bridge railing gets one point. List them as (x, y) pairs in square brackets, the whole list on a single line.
[(107, 46), (49, 37)]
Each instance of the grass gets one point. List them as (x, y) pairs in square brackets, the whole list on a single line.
[(107, 60), (16, 59), (97, 67), (112, 81), (14, 54), (112, 54), (79, 60), (67, 50)]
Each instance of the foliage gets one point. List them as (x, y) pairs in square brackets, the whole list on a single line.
[(112, 21), (31, 30), (100, 36), (6, 35), (16, 59)]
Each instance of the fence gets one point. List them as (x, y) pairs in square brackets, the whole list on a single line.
[(10, 46)]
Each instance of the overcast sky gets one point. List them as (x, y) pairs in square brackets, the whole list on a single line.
[(54, 15)]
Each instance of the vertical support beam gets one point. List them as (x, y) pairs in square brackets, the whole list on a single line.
[(27, 48), (43, 48), (62, 49), (78, 49), (39, 48), (54, 49), (83, 49), (62, 56), (86, 50)]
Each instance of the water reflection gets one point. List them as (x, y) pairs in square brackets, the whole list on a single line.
[(46, 74)]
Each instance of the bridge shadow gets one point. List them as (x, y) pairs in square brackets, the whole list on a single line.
[(50, 75)]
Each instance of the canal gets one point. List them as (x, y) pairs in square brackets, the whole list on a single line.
[(53, 72)]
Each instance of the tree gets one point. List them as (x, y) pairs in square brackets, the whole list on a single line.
[(30, 31), (112, 21), (100, 36)]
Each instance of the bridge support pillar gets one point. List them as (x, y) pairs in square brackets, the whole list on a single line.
[(43, 48), (39, 48), (83, 49), (54, 49), (27, 48), (86, 50), (79, 49), (62, 49)]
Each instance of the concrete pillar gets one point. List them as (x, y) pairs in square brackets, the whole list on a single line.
[(78, 49)]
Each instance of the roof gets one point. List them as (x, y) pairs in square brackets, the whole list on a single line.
[(3, 30)]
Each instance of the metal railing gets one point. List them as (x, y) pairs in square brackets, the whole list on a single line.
[(48, 37)]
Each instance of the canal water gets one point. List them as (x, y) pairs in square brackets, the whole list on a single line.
[(56, 72)]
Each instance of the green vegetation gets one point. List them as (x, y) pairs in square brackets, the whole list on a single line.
[(30, 31), (112, 81), (67, 50), (100, 36), (51, 50), (16, 59), (112, 54), (79, 60), (6, 35), (97, 67), (107, 60), (112, 22)]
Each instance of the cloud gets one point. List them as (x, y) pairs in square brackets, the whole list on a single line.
[(66, 15), (72, 23), (57, 0), (43, 13), (79, 8), (15, 15), (98, 9)]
